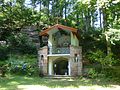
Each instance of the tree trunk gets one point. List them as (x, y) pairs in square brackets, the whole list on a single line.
[(65, 12), (108, 45), (40, 7), (77, 16), (104, 20), (48, 12), (100, 18)]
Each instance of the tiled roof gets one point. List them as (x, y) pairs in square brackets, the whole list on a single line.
[(63, 27)]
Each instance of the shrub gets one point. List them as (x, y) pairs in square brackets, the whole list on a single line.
[(101, 58), (112, 72), (21, 43), (3, 68), (23, 65), (3, 52), (92, 73), (103, 63), (3, 58)]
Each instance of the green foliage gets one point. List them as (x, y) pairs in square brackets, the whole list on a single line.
[(2, 63), (92, 40), (13, 17), (101, 58), (92, 73), (23, 65), (20, 43), (112, 72), (113, 35), (3, 58), (3, 52), (104, 65), (16, 16), (116, 50), (3, 68), (11, 82)]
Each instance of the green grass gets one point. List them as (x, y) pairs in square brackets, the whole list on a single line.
[(27, 83)]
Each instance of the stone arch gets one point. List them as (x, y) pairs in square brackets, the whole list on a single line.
[(60, 66)]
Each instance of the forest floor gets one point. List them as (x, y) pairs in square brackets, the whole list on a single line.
[(35, 83)]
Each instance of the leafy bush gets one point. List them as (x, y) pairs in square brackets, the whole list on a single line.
[(3, 68), (3, 52), (103, 64), (21, 43), (3, 58), (92, 73), (112, 72), (101, 58), (23, 65)]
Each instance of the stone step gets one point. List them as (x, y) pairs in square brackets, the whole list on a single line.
[(60, 77)]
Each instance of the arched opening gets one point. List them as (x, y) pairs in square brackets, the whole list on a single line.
[(60, 66)]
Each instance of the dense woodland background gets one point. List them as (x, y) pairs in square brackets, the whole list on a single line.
[(98, 22)]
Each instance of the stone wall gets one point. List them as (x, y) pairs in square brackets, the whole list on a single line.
[(43, 62), (33, 34), (75, 63), (76, 60)]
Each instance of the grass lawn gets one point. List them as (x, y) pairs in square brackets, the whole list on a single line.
[(36, 83)]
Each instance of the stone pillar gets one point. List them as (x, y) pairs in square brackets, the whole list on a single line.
[(73, 64), (69, 67), (50, 67), (76, 60), (43, 61), (80, 62)]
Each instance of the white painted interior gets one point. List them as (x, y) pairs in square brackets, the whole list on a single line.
[(74, 40), (50, 67), (50, 40), (58, 55), (50, 43), (54, 30), (69, 69)]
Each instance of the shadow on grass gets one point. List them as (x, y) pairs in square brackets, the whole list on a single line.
[(11, 82)]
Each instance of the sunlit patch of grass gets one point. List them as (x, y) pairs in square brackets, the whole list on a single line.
[(27, 83), (13, 83)]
